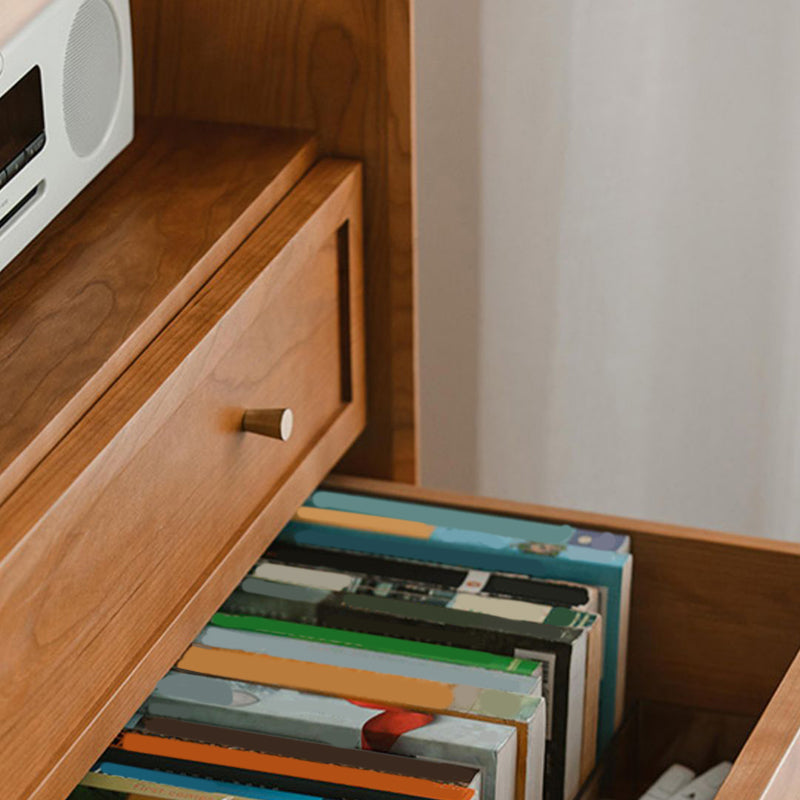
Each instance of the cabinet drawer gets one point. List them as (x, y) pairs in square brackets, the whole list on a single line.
[(119, 545), (713, 670)]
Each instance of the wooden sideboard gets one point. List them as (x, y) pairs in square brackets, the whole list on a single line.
[(253, 250)]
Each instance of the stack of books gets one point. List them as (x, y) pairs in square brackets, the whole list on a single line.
[(390, 649)]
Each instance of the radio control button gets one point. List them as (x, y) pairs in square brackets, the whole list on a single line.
[(35, 146), (14, 166)]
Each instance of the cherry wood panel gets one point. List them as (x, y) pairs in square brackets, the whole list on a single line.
[(126, 528), (90, 293), (344, 69), (768, 768)]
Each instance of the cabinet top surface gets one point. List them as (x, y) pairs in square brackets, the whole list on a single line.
[(80, 303)]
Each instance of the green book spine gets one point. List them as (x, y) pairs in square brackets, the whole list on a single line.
[(381, 644), (569, 618)]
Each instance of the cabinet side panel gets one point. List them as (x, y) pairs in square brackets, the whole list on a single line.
[(342, 68), (768, 767)]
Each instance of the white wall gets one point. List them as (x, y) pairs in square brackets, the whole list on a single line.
[(609, 199)]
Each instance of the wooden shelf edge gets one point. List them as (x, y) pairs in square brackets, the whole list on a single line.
[(768, 768), (112, 270)]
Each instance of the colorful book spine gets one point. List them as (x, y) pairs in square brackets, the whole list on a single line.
[(132, 786), (451, 587), (148, 782), (382, 644), (447, 517), (334, 721), (327, 780), (524, 712), (498, 548), (321, 652), (498, 584), (562, 651), (271, 577), (382, 582), (417, 774)]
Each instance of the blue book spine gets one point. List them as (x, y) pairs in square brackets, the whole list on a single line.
[(511, 527)]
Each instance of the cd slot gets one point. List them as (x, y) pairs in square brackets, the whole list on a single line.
[(8, 219)]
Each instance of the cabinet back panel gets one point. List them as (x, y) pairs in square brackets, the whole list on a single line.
[(89, 294), (344, 70)]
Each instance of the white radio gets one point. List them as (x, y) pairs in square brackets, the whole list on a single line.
[(66, 110)]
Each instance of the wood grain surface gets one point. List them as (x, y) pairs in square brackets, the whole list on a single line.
[(88, 295), (768, 767), (344, 69), (122, 530)]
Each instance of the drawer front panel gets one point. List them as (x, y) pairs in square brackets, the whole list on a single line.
[(157, 484)]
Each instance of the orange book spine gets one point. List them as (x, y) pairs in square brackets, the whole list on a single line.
[(355, 685), (303, 676), (291, 767)]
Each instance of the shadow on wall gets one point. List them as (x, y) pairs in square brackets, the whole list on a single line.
[(448, 203), (487, 298)]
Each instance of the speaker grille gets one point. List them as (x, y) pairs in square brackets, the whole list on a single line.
[(92, 75)]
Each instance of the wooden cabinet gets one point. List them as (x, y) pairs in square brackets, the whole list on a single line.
[(133, 527), (220, 266)]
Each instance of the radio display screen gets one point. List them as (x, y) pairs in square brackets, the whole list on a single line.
[(21, 117)]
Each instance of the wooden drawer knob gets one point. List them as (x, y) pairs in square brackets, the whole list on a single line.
[(274, 422)]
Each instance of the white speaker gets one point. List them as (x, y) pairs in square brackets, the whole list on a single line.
[(92, 76), (66, 110)]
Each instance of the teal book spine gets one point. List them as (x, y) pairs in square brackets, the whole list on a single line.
[(525, 530)]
